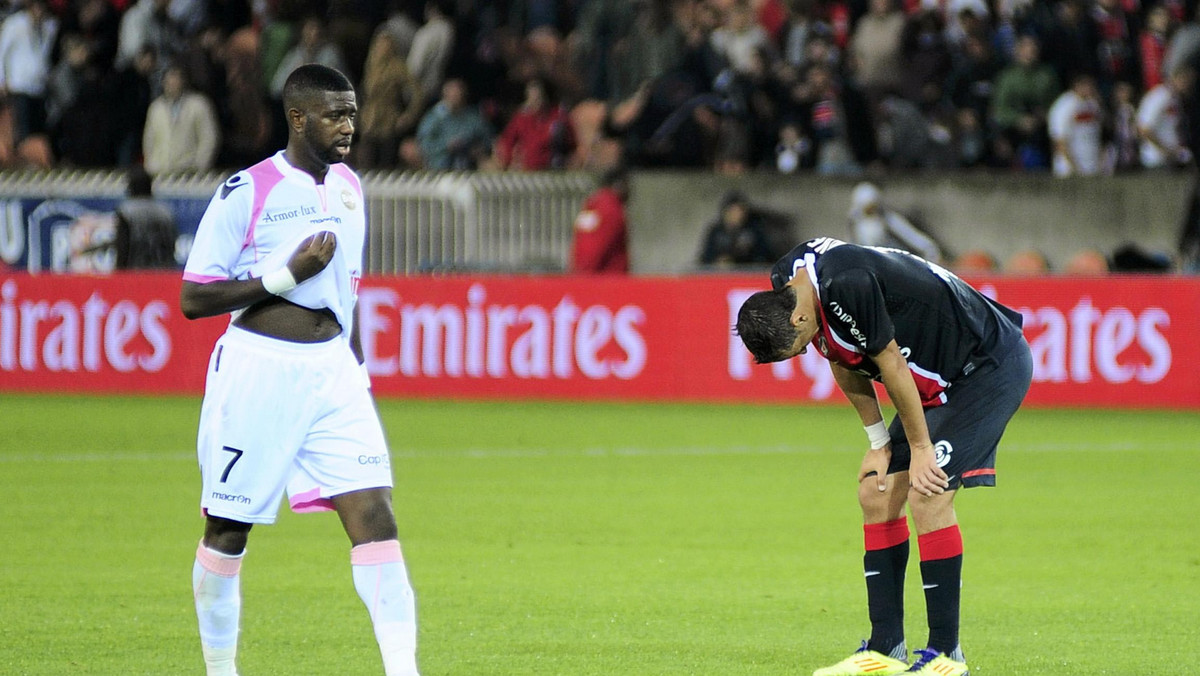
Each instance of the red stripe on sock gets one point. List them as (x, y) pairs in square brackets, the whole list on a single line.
[(878, 536), (941, 544)]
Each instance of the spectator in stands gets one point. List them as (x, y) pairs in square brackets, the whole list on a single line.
[(539, 136), (836, 117), (737, 237), (26, 41), (1075, 122), (740, 39), (600, 25), (312, 48), (1160, 119), (452, 135), (926, 59), (1027, 263), (876, 50), (1152, 45), (974, 262), (1024, 93), (432, 46), (601, 239), (874, 224), (80, 113), (1086, 263), (1117, 39), (391, 106), (654, 46), (149, 24), (145, 228), (181, 128), (802, 24), (792, 150), (1123, 147), (133, 94)]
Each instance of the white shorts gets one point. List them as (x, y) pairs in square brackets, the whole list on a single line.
[(279, 415)]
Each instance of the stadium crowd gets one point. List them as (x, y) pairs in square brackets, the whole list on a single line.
[(833, 86)]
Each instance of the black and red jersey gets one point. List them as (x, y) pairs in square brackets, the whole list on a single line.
[(868, 296)]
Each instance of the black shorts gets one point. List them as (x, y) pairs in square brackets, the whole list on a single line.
[(967, 428)]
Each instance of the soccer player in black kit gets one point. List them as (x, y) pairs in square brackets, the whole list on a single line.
[(956, 367)]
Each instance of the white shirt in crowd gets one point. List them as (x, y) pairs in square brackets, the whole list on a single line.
[(25, 54), (1159, 112), (1076, 122)]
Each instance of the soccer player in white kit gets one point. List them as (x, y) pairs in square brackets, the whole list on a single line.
[(287, 406)]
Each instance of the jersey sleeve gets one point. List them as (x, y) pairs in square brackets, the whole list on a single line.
[(1059, 118), (1152, 108), (221, 234), (856, 311)]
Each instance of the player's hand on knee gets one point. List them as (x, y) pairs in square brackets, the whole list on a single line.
[(313, 254), (875, 466), (924, 475)]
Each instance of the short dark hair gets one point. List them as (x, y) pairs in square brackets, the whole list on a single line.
[(764, 324), (140, 183), (310, 79)]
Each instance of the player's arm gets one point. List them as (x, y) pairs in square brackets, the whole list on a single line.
[(208, 299), (861, 393), (923, 472)]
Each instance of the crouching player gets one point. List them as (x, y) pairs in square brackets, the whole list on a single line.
[(956, 367)]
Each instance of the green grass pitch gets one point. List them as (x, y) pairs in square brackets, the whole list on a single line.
[(617, 539)]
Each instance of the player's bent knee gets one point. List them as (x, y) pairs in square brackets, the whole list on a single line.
[(879, 506)]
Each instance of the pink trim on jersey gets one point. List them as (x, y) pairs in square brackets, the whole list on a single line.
[(202, 279), (346, 173), (225, 565), (376, 553), (310, 501), (266, 176)]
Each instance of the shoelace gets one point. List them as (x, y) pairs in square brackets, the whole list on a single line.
[(927, 655)]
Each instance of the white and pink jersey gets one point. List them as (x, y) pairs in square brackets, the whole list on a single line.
[(260, 215)]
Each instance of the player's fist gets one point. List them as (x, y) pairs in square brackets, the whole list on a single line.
[(313, 254)]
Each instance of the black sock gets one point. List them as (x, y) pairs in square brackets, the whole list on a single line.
[(885, 563), (943, 587)]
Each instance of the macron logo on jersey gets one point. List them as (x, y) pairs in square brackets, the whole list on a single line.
[(236, 181)]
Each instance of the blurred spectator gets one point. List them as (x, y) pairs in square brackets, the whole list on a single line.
[(539, 136), (133, 94), (737, 237), (600, 26), (1117, 61), (1024, 94), (873, 224), (1086, 263), (149, 24), (80, 112), (601, 240), (98, 24), (145, 228), (1152, 45), (876, 50), (802, 24), (1131, 257), (181, 128), (432, 46), (655, 45), (1069, 38), (312, 48), (741, 38), (392, 103), (26, 41), (453, 135), (837, 119), (1160, 120), (1075, 123), (1123, 148), (791, 150), (1027, 263), (974, 262), (248, 133), (926, 59)]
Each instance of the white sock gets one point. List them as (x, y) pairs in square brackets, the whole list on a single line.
[(215, 585), (382, 583)]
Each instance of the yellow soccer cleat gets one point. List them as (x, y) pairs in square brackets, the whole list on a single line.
[(865, 662), (933, 663)]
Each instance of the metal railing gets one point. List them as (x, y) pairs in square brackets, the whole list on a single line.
[(419, 222)]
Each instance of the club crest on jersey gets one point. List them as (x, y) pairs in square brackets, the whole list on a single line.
[(941, 452), (348, 200)]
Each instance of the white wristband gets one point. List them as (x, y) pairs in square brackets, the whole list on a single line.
[(878, 435), (279, 281)]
